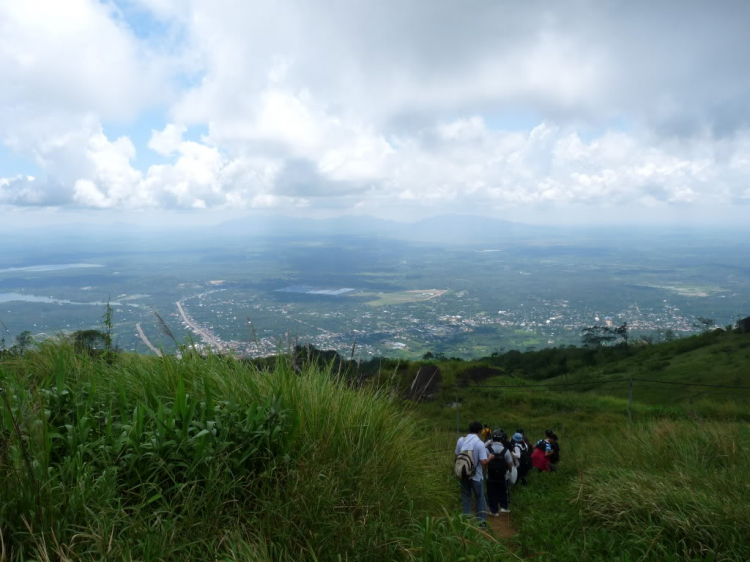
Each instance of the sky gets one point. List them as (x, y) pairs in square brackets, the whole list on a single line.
[(576, 112)]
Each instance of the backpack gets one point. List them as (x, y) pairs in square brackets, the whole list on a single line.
[(555, 457), (498, 466), (525, 461), (464, 467)]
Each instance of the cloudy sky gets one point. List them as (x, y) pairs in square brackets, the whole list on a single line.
[(554, 111)]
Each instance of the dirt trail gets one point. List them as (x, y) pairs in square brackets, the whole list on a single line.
[(501, 526)]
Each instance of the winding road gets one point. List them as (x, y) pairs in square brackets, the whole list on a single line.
[(207, 336), (146, 340)]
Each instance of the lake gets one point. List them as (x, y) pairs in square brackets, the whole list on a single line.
[(49, 267), (10, 297)]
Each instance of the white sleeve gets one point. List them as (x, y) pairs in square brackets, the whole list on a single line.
[(482, 452)]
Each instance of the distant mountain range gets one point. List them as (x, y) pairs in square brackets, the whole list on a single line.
[(444, 228)]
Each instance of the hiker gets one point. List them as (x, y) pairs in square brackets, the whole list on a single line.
[(522, 452), (555, 456), (488, 440), (497, 473), (486, 434), (540, 456), (525, 439), (512, 475), (471, 458)]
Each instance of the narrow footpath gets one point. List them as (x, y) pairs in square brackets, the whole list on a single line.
[(501, 526)]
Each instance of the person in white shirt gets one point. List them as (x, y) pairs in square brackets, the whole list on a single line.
[(475, 485), (523, 454)]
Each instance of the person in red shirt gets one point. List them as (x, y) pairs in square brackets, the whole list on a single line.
[(540, 456)]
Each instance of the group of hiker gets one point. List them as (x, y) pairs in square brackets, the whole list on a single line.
[(492, 457)]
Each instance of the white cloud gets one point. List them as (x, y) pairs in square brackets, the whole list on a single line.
[(457, 163), (74, 56), (345, 105), (167, 142)]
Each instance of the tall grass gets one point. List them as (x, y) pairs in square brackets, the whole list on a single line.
[(208, 458), (671, 486), (658, 490), (679, 488)]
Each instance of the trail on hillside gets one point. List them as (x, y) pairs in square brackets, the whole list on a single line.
[(501, 526)]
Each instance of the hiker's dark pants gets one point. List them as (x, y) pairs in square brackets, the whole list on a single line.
[(497, 492), (522, 476)]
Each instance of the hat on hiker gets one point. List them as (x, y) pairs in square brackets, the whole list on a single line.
[(498, 435), (518, 437)]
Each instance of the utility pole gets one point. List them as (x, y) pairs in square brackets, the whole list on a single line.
[(630, 403)]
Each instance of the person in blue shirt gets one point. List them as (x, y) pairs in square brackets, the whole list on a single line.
[(545, 445)]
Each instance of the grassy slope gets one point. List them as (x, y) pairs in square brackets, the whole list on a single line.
[(664, 488), (210, 459), (721, 359), (670, 487)]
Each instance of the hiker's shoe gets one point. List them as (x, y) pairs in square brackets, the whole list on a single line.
[(505, 510), (495, 513)]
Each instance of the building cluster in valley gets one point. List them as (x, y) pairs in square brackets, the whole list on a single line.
[(404, 328)]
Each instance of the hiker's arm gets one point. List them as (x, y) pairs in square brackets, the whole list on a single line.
[(487, 457)]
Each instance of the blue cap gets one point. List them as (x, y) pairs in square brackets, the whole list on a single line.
[(517, 437)]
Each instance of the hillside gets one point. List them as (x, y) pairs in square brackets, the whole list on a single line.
[(312, 457), (125, 457), (710, 359), (714, 358)]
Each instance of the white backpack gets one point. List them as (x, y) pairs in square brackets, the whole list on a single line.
[(464, 467)]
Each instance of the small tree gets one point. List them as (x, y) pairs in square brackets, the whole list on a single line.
[(107, 325), (669, 335), (23, 340), (622, 332), (704, 323), (596, 336), (648, 339), (89, 341)]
